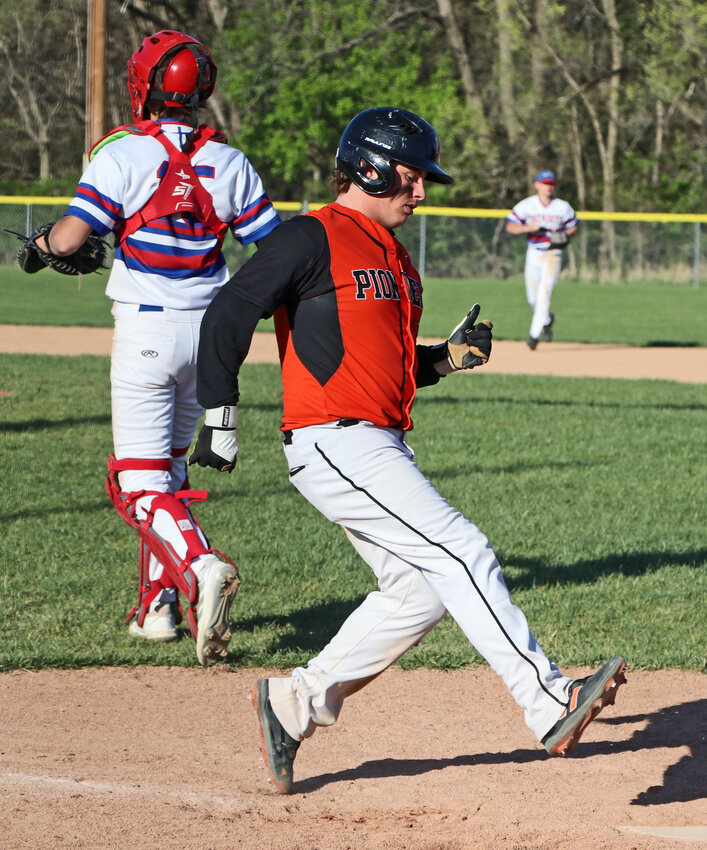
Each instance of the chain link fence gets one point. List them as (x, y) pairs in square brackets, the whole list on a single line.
[(459, 243)]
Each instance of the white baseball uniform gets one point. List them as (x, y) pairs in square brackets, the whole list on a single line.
[(542, 263), (163, 277)]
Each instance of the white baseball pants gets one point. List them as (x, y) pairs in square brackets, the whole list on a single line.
[(428, 559), (154, 406), (542, 271)]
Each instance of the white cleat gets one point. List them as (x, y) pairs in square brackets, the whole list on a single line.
[(158, 625), (218, 585)]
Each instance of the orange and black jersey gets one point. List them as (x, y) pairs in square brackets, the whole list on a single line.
[(347, 303)]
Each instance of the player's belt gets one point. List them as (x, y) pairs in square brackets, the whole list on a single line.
[(150, 308), (342, 423)]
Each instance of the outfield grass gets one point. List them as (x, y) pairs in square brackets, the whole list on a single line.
[(640, 314), (591, 491)]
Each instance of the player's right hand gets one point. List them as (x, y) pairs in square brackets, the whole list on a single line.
[(217, 443)]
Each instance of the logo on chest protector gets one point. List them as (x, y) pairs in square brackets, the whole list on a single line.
[(185, 188)]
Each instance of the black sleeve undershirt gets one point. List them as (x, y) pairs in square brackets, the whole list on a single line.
[(427, 356)]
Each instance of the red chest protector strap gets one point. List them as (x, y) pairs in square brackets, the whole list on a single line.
[(180, 190)]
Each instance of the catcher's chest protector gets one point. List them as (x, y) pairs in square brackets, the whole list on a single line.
[(180, 191)]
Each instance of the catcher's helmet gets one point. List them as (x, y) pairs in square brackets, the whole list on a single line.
[(189, 72), (381, 136)]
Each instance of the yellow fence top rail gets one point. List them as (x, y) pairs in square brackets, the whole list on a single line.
[(459, 212)]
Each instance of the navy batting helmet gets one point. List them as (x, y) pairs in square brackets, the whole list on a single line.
[(381, 136)]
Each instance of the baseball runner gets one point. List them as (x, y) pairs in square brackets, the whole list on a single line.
[(347, 303), (548, 223), (169, 190)]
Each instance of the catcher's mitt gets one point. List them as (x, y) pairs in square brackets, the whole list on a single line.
[(559, 239), (90, 257)]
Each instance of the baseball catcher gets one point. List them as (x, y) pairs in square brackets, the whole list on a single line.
[(90, 257), (169, 190)]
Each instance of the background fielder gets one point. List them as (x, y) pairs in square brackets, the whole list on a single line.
[(169, 190), (347, 303), (548, 223)]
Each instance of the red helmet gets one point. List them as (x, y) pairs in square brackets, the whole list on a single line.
[(189, 77)]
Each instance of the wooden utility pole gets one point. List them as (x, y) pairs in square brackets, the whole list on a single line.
[(95, 73)]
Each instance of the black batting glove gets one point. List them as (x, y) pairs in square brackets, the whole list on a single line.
[(469, 344), (217, 443)]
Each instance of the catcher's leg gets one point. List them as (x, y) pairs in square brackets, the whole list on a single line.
[(157, 611), (171, 536), (145, 351), (154, 409)]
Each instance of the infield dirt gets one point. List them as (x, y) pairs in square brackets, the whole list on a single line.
[(159, 758), (566, 359)]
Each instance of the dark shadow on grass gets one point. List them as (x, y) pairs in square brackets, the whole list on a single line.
[(69, 508), (676, 726), (670, 343), (488, 401), (265, 407), (310, 628), (465, 470), (51, 424), (535, 572)]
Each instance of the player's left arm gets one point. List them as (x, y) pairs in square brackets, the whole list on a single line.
[(66, 237), (570, 222), (278, 269)]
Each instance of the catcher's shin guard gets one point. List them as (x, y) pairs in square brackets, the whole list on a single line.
[(177, 570)]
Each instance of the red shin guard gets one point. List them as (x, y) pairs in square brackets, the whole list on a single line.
[(177, 571)]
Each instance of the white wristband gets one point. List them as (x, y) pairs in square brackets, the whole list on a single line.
[(221, 417)]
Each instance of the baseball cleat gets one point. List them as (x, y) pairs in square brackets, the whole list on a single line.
[(277, 746), (532, 343), (546, 333), (218, 585), (157, 625), (587, 697)]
